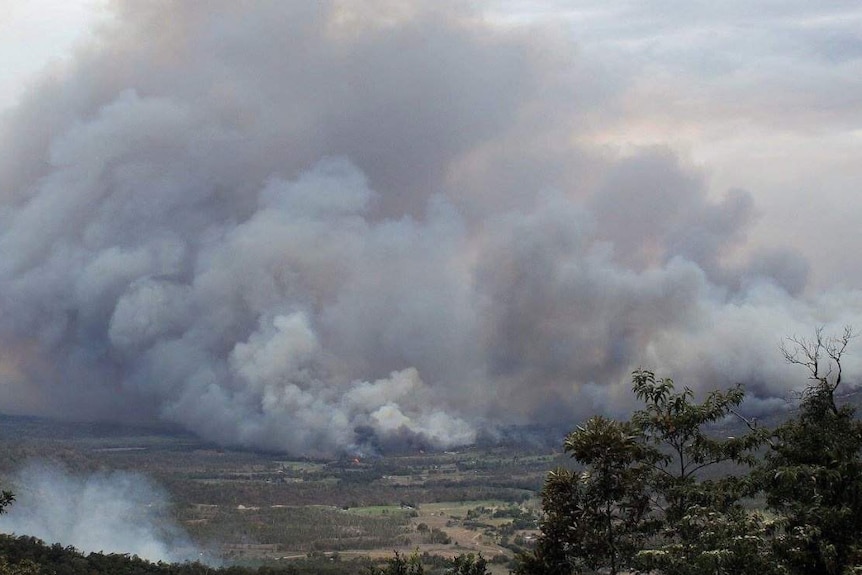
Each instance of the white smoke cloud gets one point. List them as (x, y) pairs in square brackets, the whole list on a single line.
[(310, 228), (115, 512)]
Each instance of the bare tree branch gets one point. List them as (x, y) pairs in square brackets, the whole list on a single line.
[(821, 356)]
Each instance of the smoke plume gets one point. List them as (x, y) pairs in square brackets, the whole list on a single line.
[(322, 226), (105, 512)]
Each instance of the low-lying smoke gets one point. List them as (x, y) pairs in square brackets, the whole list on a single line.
[(115, 512), (328, 226)]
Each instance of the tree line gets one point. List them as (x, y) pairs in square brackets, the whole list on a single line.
[(25, 555), (656, 495)]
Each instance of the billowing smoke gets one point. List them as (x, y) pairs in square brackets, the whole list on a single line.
[(323, 226), (106, 512)]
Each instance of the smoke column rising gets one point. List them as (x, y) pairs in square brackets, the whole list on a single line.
[(316, 227), (105, 512)]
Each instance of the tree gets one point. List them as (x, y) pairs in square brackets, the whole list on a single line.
[(595, 519), (643, 484), (812, 474), (468, 564), (676, 427), (734, 541), (615, 502), (25, 567), (557, 551), (704, 529), (6, 499)]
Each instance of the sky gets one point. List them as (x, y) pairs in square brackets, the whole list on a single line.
[(376, 224)]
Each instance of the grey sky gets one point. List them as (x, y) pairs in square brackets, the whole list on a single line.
[(761, 95)]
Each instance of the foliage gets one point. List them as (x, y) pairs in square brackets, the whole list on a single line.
[(673, 423), (468, 564), (642, 502), (400, 565), (647, 477), (597, 518), (25, 567), (704, 529), (6, 499), (812, 474), (436, 537), (30, 556), (614, 503), (726, 542)]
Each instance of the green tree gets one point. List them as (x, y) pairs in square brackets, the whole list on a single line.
[(734, 541), (598, 518), (704, 528), (25, 567), (812, 475), (556, 551), (6, 499), (642, 500), (677, 427), (468, 564)]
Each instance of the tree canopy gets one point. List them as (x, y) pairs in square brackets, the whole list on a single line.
[(665, 493), (812, 475)]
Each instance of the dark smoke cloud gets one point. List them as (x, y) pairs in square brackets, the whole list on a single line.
[(324, 226)]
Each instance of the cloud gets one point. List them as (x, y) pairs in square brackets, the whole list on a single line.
[(324, 227)]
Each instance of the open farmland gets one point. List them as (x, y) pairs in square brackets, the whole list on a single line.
[(254, 507)]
